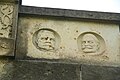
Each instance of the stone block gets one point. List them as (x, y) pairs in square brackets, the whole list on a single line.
[(68, 39), (33, 70), (8, 25), (91, 72), (6, 70)]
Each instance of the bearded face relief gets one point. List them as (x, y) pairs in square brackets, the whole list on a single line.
[(46, 40), (90, 44)]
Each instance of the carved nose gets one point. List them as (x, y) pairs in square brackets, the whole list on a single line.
[(86, 43), (47, 39)]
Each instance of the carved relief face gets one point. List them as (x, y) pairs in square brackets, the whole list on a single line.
[(46, 40), (90, 44)]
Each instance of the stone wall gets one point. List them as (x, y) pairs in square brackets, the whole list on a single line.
[(38, 43)]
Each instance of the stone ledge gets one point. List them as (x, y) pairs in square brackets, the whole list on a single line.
[(80, 14)]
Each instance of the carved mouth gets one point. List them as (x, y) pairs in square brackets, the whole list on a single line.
[(47, 44), (87, 47)]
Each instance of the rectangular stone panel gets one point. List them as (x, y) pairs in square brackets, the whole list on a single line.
[(68, 39), (8, 24), (33, 70), (91, 72)]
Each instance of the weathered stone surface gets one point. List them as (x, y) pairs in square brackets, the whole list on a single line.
[(35, 70), (32, 70), (57, 35), (8, 15), (8, 26), (100, 73), (59, 38), (6, 70), (6, 47)]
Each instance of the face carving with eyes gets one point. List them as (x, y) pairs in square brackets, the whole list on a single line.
[(46, 40), (90, 44)]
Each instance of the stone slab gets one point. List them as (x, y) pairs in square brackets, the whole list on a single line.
[(36, 70), (67, 38), (33, 70), (8, 25), (92, 72)]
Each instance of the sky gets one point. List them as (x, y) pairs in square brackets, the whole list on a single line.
[(89, 5)]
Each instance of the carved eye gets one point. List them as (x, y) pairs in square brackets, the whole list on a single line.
[(84, 42), (52, 39), (89, 41), (43, 38)]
